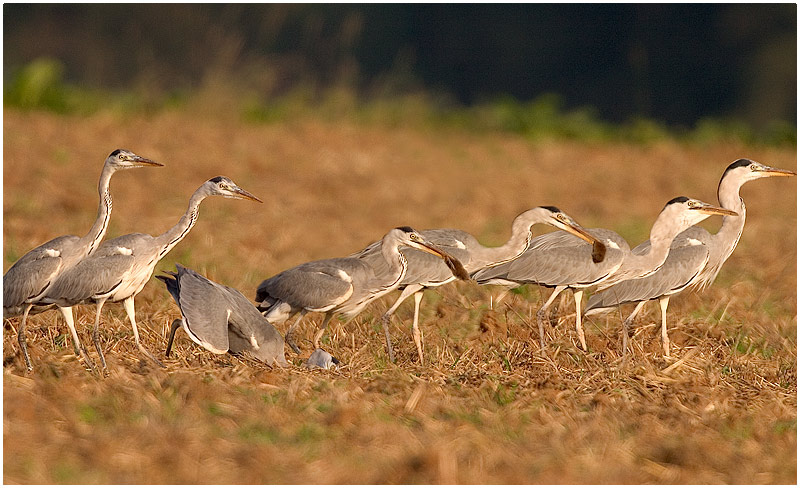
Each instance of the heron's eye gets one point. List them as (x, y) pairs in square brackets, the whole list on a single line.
[(753, 167), (414, 237), (561, 216)]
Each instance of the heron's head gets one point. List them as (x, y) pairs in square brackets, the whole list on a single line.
[(557, 218), (225, 187), (407, 236), (125, 159), (686, 212), (744, 170)]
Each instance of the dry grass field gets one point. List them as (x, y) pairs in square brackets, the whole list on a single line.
[(485, 407)]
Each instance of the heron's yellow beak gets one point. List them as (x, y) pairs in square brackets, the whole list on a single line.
[(454, 264), (715, 210), (241, 193), (141, 161), (775, 172)]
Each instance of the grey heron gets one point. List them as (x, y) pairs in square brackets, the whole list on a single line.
[(425, 271), (695, 256), (558, 260), (343, 285), (120, 267), (26, 280), (220, 319)]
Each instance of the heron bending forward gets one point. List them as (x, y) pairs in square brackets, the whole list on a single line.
[(220, 319)]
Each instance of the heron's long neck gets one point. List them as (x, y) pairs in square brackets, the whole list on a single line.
[(483, 257), (171, 237), (661, 236), (398, 265), (92, 239), (728, 235)]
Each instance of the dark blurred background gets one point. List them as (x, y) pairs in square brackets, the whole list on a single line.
[(674, 64)]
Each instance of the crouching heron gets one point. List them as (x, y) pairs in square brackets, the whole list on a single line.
[(220, 319), (695, 256), (25, 282), (344, 285), (558, 260), (120, 267), (425, 271)]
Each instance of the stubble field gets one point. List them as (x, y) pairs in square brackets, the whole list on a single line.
[(486, 407)]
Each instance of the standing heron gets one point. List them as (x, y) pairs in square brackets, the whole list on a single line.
[(220, 319), (695, 256), (424, 271), (557, 260), (343, 285), (120, 267), (26, 280)]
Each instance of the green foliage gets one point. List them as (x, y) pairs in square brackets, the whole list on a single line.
[(41, 85)]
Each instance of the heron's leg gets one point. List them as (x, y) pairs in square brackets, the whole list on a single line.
[(541, 314), (23, 345), (664, 301), (415, 331), (176, 324), (385, 318), (96, 335), (626, 325), (66, 312), (321, 330), (131, 310), (289, 338), (578, 294)]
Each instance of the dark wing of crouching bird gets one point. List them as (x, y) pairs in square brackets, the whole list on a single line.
[(220, 319)]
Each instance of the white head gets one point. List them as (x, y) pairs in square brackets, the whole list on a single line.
[(407, 236), (681, 213), (745, 170), (551, 215), (121, 159), (225, 187)]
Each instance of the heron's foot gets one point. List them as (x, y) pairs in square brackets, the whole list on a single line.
[(626, 326), (385, 322), (541, 319), (23, 346), (290, 341), (582, 339), (96, 338), (155, 360)]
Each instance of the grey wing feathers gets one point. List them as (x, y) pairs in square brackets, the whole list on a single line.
[(90, 277), (249, 330), (680, 269), (25, 281), (220, 317), (557, 258), (312, 285), (203, 305), (32, 273)]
